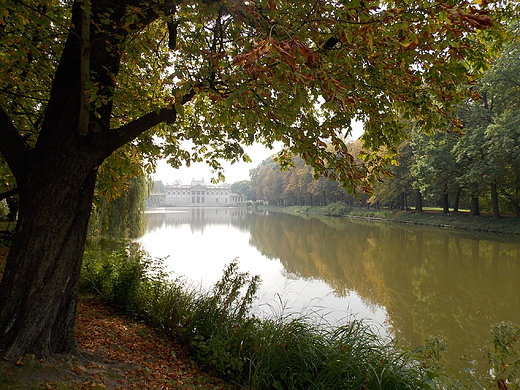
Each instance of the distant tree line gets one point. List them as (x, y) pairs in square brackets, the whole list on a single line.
[(475, 167), (295, 186)]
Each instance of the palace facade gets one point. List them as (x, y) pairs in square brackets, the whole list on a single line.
[(198, 193)]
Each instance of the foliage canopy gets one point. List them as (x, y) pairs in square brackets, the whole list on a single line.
[(222, 74), (80, 80)]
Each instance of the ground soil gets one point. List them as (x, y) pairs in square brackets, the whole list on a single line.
[(115, 352)]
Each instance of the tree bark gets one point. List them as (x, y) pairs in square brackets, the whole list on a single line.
[(475, 208), (456, 201), (445, 204), (39, 289), (418, 201), (494, 201), (56, 179)]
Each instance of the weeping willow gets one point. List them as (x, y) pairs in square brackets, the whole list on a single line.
[(122, 217)]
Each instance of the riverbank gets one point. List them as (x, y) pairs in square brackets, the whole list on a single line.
[(216, 329), (462, 221), (116, 352)]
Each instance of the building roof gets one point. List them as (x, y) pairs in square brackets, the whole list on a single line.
[(198, 182)]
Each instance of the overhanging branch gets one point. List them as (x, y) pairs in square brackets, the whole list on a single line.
[(12, 147), (9, 193), (132, 130)]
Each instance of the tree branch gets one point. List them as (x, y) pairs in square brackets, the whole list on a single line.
[(132, 130), (9, 193), (12, 147)]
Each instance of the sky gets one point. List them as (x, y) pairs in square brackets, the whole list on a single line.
[(233, 172)]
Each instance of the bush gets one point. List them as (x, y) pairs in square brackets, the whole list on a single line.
[(337, 209), (125, 276), (278, 353)]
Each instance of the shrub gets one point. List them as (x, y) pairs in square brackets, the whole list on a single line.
[(287, 352), (123, 276), (336, 209)]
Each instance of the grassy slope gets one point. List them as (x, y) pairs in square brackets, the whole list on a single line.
[(116, 352), (433, 218)]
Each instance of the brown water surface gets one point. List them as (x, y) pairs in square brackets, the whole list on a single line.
[(415, 282)]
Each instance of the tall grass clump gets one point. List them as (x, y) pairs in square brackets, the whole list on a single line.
[(219, 327), (505, 358), (134, 283), (298, 353), (281, 352)]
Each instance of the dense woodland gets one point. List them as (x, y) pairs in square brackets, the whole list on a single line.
[(474, 166)]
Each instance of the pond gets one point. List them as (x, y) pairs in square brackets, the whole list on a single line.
[(408, 282)]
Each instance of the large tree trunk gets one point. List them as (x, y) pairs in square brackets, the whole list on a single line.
[(445, 204), (418, 201), (456, 201), (475, 208), (494, 201), (39, 289), (56, 178)]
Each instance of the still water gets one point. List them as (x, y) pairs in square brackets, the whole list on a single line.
[(408, 282)]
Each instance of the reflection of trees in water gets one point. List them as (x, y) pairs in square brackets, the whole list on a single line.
[(311, 249), (429, 280)]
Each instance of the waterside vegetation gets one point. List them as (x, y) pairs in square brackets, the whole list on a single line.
[(286, 352), (461, 221), (282, 352)]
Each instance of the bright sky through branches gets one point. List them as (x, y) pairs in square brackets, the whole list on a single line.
[(233, 173)]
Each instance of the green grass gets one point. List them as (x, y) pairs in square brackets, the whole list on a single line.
[(430, 217), (280, 352), (461, 221), (337, 209), (290, 352)]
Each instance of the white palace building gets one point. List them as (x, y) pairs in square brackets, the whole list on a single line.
[(198, 193)]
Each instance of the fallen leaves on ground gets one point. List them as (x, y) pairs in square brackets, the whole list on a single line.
[(118, 353), (154, 361)]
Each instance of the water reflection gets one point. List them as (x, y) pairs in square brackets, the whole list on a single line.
[(200, 242), (422, 282), (196, 218)]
